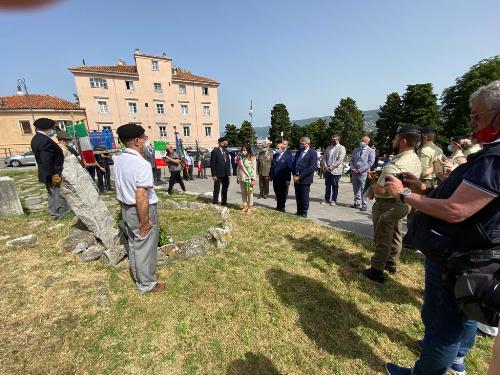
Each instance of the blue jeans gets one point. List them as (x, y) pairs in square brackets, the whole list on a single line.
[(331, 186), (448, 333)]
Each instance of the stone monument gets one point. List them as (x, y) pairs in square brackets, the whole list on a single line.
[(9, 199)]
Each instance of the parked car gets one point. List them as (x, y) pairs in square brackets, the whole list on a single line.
[(28, 158)]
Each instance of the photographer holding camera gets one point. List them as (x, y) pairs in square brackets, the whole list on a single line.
[(457, 227), (387, 212)]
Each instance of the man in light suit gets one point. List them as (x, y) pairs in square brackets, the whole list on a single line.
[(304, 165), (281, 174), (362, 160), (333, 161), (220, 163)]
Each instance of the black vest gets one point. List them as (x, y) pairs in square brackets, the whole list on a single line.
[(438, 239)]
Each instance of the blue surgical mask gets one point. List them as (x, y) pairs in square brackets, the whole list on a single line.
[(51, 133), (363, 144), (450, 148), (301, 147)]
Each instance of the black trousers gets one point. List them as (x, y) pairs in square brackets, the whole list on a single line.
[(104, 178), (224, 181), (281, 191), (175, 176), (190, 172), (302, 198)]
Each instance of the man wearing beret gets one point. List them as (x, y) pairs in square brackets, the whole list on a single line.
[(50, 159), (387, 212), (135, 191)]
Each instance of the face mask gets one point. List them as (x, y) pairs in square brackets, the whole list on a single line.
[(224, 146), (487, 134), (301, 147), (51, 133), (244, 153), (363, 144), (450, 148)]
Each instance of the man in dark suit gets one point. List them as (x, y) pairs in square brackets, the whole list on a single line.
[(50, 159), (220, 163), (281, 174), (305, 162)]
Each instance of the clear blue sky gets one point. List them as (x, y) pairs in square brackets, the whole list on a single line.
[(306, 54)]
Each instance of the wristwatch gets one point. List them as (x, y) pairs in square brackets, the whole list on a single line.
[(405, 193)]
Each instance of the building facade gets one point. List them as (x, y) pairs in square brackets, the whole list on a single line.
[(152, 93), (17, 114)]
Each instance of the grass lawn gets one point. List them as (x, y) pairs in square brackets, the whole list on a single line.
[(282, 298)]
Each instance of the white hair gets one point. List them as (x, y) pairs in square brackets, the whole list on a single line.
[(306, 140), (489, 93)]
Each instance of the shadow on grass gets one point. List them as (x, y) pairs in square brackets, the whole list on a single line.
[(255, 364), (349, 264), (332, 322)]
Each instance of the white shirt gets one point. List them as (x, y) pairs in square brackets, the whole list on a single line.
[(132, 171)]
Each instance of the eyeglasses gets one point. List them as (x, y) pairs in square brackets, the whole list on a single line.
[(475, 116)]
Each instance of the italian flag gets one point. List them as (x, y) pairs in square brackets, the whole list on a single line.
[(79, 131), (160, 151)]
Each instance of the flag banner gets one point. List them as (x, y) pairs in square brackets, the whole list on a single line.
[(181, 151), (160, 148)]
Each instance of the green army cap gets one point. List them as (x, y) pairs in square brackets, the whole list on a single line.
[(409, 129)]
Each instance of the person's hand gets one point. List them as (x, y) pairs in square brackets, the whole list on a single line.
[(414, 183), (355, 171), (393, 186), (214, 178), (102, 169), (296, 178), (144, 228), (56, 180)]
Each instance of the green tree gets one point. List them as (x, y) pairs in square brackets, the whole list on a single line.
[(317, 131), (455, 99), (246, 135), (296, 132), (231, 134), (348, 121), (389, 119), (280, 122), (420, 106)]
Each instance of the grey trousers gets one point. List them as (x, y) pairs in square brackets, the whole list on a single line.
[(142, 253), (358, 183), (57, 205)]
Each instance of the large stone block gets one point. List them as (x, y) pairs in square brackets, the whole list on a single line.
[(10, 203)]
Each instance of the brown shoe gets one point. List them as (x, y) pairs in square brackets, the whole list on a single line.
[(159, 287)]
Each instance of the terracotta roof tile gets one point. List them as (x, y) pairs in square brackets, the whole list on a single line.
[(128, 69), (37, 101), (186, 76)]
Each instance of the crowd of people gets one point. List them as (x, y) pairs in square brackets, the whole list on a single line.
[(452, 204)]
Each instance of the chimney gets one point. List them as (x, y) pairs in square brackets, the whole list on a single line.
[(164, 54), (120, 62), (137, 51)]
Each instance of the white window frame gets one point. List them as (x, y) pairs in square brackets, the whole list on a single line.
[(182, 89), (62, 124), (130, 84), (100, 107), (163, 131), (154, 65), (184, 110), (206, 110), (209, 133), (157, 87), (203, 90), (188, 128), (28, 122), (130, 106), (98, 82), (158, 107)]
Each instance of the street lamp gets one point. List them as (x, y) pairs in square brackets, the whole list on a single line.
[(22, 90)]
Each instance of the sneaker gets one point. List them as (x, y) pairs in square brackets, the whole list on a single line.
[(159, 287), (364, 209), (374, 275), (325, 202), (391, 268), (355, 205), (458, 368), (393, 369), (333, 203)]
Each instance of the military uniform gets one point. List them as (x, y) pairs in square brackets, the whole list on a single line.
[(388, 213), (473, 149), (428, 155), (263, 168)]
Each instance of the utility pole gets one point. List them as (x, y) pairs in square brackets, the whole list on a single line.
[(251, 121)]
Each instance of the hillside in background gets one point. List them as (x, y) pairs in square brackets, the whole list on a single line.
[(371, 117)]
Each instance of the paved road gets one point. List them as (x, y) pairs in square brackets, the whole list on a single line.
[(341, 216)]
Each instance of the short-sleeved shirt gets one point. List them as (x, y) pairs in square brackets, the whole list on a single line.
[(485, 175), (406, 161), (428, 155), (132, 171), (172, 167)]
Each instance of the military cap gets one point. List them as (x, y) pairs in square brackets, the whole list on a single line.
[(409, 129), (61, 135), (429, 130), (130, 131), (44, 123), (458, 138)]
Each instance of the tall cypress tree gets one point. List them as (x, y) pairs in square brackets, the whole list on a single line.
[(348, 121), (390, 115), (231, 134), (246, 135), (280, 122)]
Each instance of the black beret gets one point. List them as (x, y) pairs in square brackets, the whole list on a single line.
[(458, 138), (44, 123), (429, 130), (409, 129), (130, 131)]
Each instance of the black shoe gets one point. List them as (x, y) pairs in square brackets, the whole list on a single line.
[(391, 268), (364, 209), (354, 205), (374, 275)]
